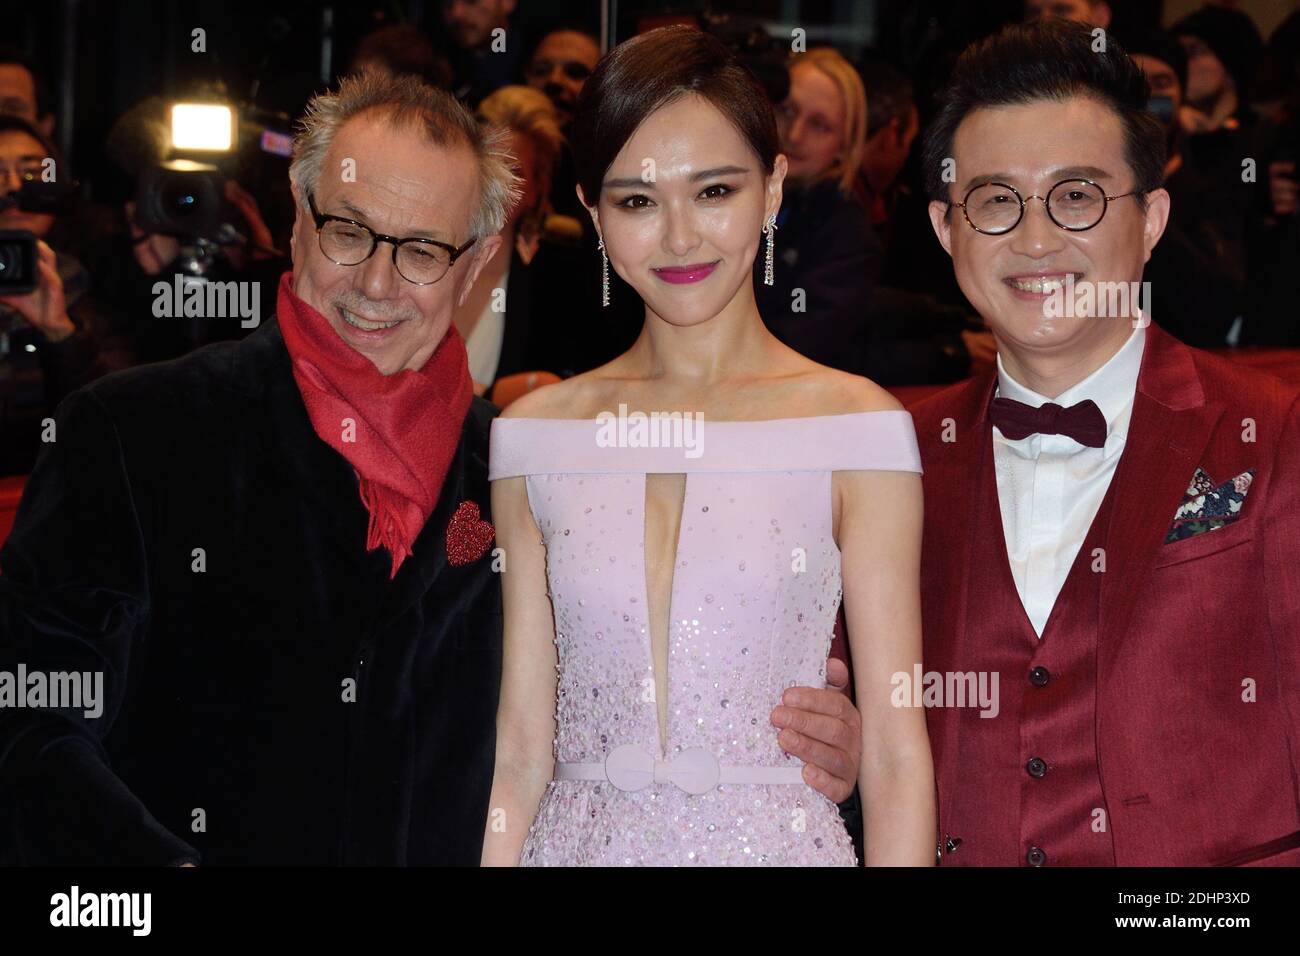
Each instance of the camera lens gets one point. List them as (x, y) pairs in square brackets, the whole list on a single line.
[(179, 199), (12, 264), (17, 262)]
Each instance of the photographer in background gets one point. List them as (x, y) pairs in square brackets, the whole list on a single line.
[(218, 233), (23, 92), (1274, 287), (52, 339), (480, 63), (913, 337), (1205, 235), (559, 67)]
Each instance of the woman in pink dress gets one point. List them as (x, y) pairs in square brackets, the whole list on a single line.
[(678, 526)]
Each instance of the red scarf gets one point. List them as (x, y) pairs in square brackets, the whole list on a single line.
[(407, 425)]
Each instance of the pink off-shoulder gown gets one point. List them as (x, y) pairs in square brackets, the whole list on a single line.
[(755, 591)]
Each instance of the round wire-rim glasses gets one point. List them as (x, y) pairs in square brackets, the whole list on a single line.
[(1096, 195)]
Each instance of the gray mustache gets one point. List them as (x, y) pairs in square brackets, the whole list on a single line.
[(380, 311)]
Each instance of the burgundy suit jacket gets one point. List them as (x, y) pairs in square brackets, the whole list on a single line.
[(1190, 772)]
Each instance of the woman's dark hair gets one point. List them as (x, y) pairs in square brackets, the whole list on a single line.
[(651, 70), (1049, 59)]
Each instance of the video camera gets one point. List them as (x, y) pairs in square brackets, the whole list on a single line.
[(182, 198), (18, 273), (184, 195)]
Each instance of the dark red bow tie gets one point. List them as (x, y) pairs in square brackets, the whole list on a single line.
[(1083, 422)]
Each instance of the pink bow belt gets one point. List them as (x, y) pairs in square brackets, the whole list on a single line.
[(696, 770)]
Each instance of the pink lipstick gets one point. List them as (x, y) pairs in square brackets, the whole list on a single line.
[(679, 275)]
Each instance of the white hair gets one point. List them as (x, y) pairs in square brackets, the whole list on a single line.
[(405, 100)]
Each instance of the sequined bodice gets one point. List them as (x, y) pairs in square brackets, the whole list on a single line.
[(755, 591)]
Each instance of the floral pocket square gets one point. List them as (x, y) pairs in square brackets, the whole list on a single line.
[(1208, 507)]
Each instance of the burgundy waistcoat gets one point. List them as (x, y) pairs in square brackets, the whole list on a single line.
[(1039, 754)]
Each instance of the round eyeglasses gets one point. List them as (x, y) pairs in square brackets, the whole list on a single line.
[(1073, 204), (350, 243)]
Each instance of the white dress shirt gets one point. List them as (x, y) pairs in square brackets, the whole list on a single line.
[(1050, 487)]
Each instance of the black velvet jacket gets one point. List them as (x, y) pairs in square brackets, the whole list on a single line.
[(227, 735)]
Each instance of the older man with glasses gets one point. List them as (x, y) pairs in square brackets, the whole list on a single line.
[(274, 555), (273, 550), (1111, 526)]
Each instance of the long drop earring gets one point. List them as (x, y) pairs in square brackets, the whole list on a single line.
[(604, 274), (769, 228)]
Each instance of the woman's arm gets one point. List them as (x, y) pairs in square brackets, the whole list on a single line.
[(526, 711), (880, 541)]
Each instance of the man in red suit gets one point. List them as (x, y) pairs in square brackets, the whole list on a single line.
[(1113, 526)]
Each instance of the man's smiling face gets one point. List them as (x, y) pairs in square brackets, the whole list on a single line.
[(405, 185), (1033, 146)]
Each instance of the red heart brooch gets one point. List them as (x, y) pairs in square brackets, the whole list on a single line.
[(468, 535)]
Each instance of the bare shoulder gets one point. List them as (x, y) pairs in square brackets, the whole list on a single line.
[(842, 393), (534, 404), (562, 399), (859, 490)]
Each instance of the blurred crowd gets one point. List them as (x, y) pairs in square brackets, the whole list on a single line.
[(860, 283)]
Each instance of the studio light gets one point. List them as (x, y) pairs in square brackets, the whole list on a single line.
[(202, 126)]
